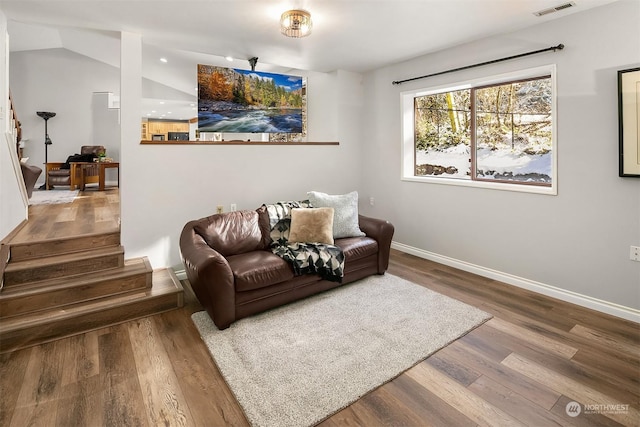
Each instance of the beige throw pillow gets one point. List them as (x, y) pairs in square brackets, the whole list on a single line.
[(311, 225)]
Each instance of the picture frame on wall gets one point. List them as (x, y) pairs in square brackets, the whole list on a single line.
[(629, 122)]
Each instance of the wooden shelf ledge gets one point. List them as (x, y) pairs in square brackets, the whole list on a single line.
[(146, 142)]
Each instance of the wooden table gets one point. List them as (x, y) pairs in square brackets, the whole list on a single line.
[(101, 172), (102, 166)]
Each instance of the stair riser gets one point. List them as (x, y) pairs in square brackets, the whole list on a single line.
[(35, 274), (37, 334), (24, 251), (60, 297)]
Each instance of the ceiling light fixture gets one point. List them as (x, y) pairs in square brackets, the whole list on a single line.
[(296, 23), (163, 60)]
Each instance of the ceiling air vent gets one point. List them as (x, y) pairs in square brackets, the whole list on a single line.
[(554, 9)]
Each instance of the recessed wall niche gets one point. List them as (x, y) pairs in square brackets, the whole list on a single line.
[(170, 102)]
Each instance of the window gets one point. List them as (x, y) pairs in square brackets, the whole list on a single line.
[(496, 133)]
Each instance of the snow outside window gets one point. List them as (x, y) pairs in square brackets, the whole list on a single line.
[(497, 132)]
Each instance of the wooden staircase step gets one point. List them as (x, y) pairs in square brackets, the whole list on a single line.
[(34, 270), (134, 276), (165, 294), (63, 245)]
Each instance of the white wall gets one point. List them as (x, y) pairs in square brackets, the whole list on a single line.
[(163, 187), (572, 244), (577, 241), (64, 82), (106, 123), (13, 206)]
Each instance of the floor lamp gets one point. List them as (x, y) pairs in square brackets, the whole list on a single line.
[(46, 115)]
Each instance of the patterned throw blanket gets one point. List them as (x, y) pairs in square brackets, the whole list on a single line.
[(325, 260)]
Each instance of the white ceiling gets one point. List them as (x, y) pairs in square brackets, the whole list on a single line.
[(352, 35)]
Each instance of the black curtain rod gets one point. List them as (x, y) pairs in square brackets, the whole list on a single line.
[(553, 48)]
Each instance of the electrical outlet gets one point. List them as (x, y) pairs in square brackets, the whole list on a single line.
[(634, 253), (219, 209), (233, 207), (372, 201)]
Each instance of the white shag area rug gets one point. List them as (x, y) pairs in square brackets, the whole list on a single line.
[(52, 197), (299, 364)]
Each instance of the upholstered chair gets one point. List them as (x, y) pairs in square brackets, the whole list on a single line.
[(79, 173), (30, 174)]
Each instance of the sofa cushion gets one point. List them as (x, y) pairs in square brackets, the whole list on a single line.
[(345, 217), (258, 269), (231, 233), (59, 172), (311, 225), (357, 247)]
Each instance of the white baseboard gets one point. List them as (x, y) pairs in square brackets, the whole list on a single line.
[(541, 288)]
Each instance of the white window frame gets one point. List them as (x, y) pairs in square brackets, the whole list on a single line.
[(408, 133)]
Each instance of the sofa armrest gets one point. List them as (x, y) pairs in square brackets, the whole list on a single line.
[(210, 276), (382, 232)]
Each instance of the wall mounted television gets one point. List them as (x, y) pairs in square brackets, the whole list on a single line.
[(232, 100)]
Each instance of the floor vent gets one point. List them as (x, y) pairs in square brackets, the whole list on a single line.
[(554, 9)]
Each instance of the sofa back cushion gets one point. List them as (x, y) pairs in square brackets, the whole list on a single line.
[(232, 233)]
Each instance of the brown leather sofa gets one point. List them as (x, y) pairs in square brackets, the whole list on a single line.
[(234, 274)]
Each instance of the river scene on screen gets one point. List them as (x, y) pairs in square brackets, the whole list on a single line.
[(244, 101)]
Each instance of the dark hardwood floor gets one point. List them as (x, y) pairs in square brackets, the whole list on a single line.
[(523, 367), (92, 212)]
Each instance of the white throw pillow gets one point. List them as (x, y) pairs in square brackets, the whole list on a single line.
[(345, 212)]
